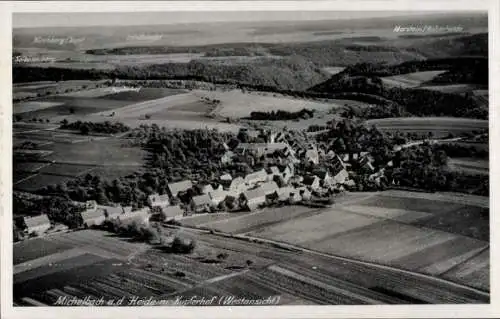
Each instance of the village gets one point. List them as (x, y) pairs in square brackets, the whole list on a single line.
[(280, 183)]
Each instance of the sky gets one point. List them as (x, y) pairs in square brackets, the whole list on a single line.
[(32, 20)]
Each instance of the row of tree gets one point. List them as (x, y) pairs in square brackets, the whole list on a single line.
[(90, 127), (281, 115)]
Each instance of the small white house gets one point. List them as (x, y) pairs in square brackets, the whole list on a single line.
[(37, 224), (156, 200)]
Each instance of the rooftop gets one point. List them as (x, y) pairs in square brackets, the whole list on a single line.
[(182, 186), (36, 220), (202, 200)]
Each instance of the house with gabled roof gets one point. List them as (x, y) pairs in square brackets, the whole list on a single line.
[(218, 196), (236, 185), (175, 188), (111, 212), (204, 188), (253, 198), (201, 203), (93, 217), (256, 177), (37, 224), (156, 200), (284, 193), (172, 212), (140, 216)]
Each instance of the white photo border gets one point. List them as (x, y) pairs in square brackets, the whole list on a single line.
[(392, 311)]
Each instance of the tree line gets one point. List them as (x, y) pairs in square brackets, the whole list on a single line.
[(85, 128), (281, 115)]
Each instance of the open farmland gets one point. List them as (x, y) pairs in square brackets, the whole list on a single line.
[(439, 126), (32, 127), (304, 278), (469, 165), (410, 80), (66, 169), (98, 264), (33, 106), (36, 248), (70, 106), (258, 219), (418, 234), (475, 271), (235, 104), (46, 88), (452, 88), (37, 181), (74, 155), (183, 110)]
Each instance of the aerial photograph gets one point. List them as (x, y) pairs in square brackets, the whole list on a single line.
[(250, 158)]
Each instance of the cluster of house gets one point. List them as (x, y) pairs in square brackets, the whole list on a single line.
[(251, 191)]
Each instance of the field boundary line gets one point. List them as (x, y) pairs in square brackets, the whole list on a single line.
[(460, 264), (25, 179), (410, 224), (346, 259)]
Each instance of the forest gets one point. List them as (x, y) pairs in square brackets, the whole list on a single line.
[(417, 102)]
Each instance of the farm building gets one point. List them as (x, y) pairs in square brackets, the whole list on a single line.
[(91, 217), (312, 181), (256, 177), (175, 188), (140, 216), (204, 188), (236, 185), (172, 212), (253, 198), (217, 196), (37, 224), (111, 212), (269, 187), (157, 200), (201, 203), (284, 193)]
